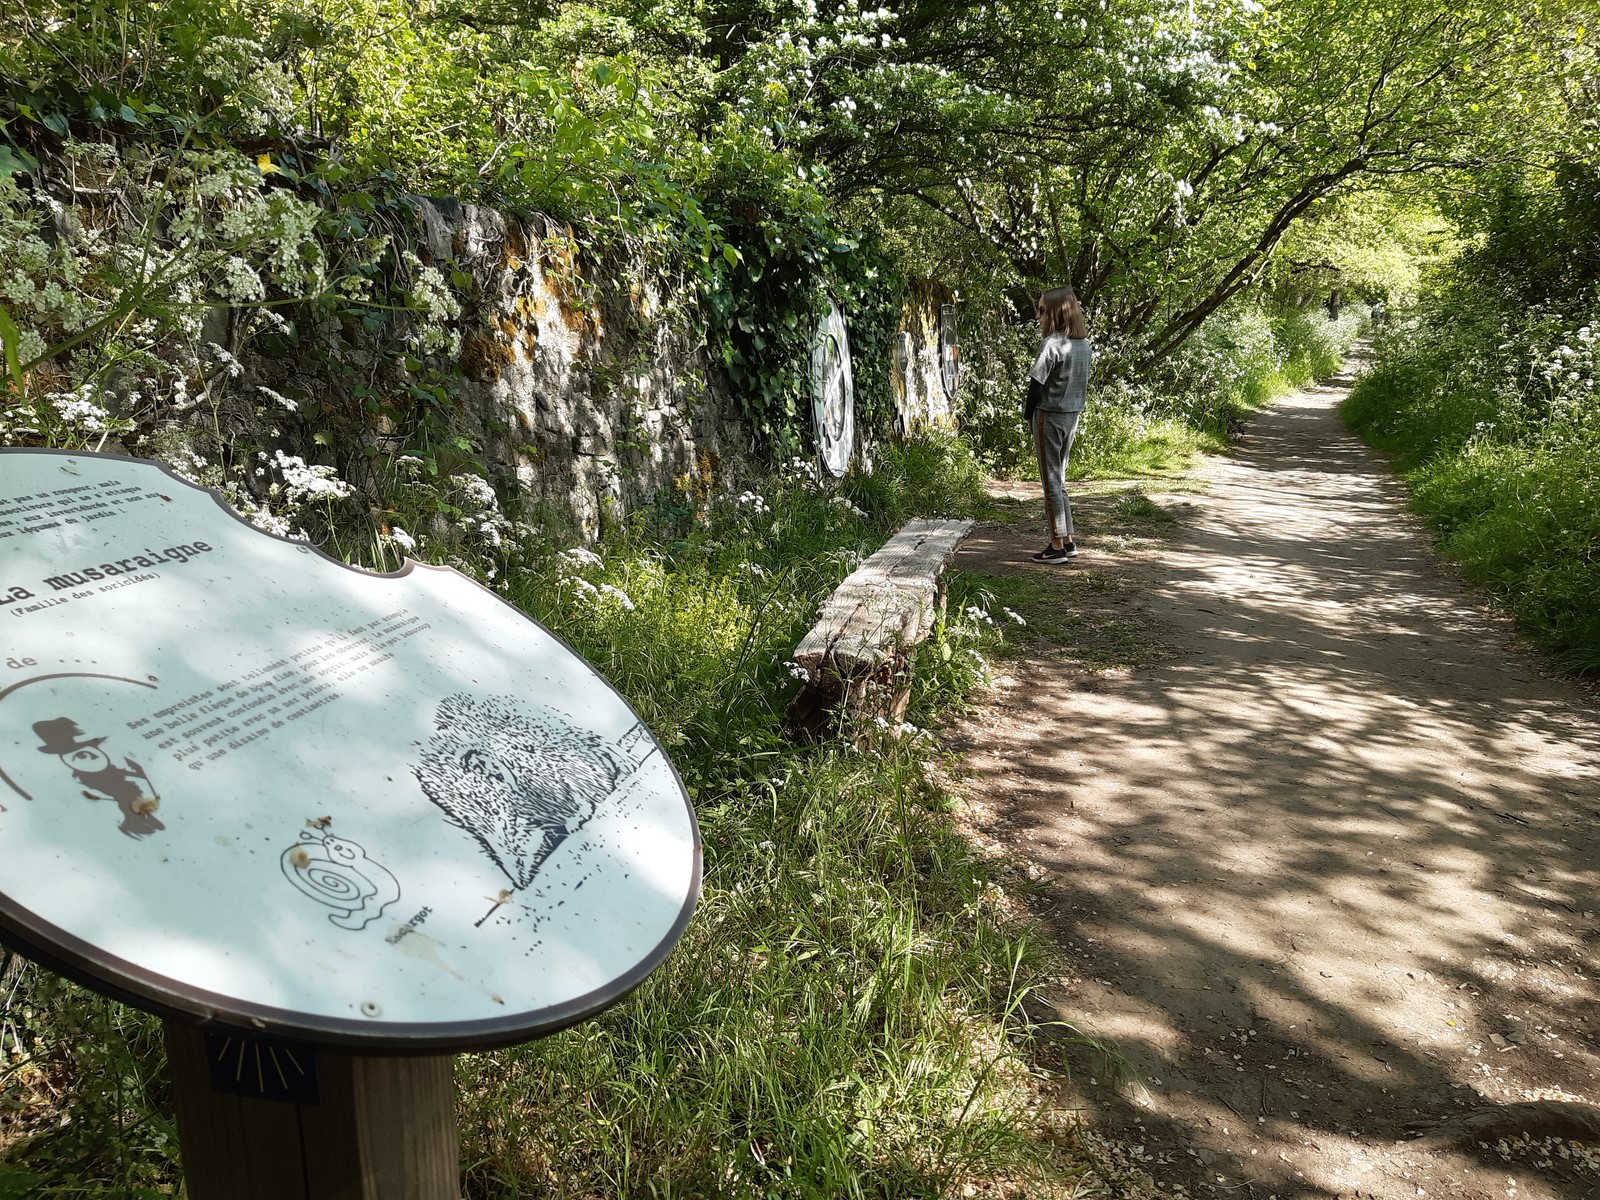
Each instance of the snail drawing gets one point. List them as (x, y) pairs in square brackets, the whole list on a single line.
[(338, 873)]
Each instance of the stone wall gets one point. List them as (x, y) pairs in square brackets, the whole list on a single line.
[(590, 397), (590, 393), (918, 384)]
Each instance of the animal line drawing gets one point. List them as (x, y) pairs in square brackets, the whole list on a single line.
[(521, 784), (93, 768), (337, 872)]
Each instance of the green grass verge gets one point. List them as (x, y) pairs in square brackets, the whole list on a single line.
[(1523, 520)]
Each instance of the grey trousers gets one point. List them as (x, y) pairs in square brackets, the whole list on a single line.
[(1052, 436)]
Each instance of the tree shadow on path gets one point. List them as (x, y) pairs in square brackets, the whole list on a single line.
[(1331, 870)]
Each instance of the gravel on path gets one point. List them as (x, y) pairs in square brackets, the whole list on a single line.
[(1330, 868)]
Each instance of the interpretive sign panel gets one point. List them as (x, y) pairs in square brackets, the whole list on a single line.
[(245, 783)]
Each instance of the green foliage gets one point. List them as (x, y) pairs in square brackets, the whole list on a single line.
[(1312, 345), (1370, 244), (1191, 404), (87, 1099), (1490, 407), (762, 298), (1524, 520), (929, 474), (1536, 230), (995, 370)]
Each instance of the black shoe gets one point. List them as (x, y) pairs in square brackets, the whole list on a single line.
[(1051, 554), (1040, 555)]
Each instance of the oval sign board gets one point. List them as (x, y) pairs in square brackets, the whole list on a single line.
[(833, 402), (244, 783)]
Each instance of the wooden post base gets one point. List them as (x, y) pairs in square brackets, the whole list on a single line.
[(378, 1128)]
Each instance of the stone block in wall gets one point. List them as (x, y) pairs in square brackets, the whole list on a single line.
[(566, 358)]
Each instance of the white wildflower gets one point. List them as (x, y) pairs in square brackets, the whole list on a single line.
[(477, 489), (81, 408), (580, 556), (303, 482), (240, 281), (278, 397)]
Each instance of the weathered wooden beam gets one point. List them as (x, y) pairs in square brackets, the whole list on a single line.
[(856, 656), (376, 1128)]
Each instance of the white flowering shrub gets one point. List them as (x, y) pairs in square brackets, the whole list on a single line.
[(1570, 373), (436, 309), (250, 80), (106, 324)]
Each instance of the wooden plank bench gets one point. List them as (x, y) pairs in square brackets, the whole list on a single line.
[(857, 655)]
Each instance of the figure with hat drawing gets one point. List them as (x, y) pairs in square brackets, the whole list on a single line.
[(92, 767)]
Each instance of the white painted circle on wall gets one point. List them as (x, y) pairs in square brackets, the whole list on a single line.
[(949, 349), (833, 403)]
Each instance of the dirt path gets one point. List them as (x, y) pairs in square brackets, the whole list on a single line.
[(1332, 867)]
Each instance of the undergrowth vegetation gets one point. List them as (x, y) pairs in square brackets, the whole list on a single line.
[(1489, 395)]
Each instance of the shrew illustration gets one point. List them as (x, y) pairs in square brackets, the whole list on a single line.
[(519, 784), (126, 783), (337, 872)]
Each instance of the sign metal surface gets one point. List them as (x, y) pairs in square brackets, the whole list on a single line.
[(244, 783)]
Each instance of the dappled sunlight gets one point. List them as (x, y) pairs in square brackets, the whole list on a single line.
[(1338, 819)]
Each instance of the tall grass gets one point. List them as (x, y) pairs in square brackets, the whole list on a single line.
[(1491, 410), (839, 1019)]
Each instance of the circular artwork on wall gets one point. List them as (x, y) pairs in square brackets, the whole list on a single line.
[(949, 349), (833, 393)]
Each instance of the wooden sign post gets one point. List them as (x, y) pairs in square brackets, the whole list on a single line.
[(332, 825)]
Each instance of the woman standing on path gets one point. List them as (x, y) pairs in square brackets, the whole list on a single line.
[(1055, 400)]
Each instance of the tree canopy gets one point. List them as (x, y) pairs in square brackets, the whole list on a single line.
[(1163, 156)]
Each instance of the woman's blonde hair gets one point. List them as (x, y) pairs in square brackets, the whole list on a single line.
[(1060, 312)]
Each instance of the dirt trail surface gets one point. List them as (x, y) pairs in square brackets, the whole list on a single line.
[(1330, 868)]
